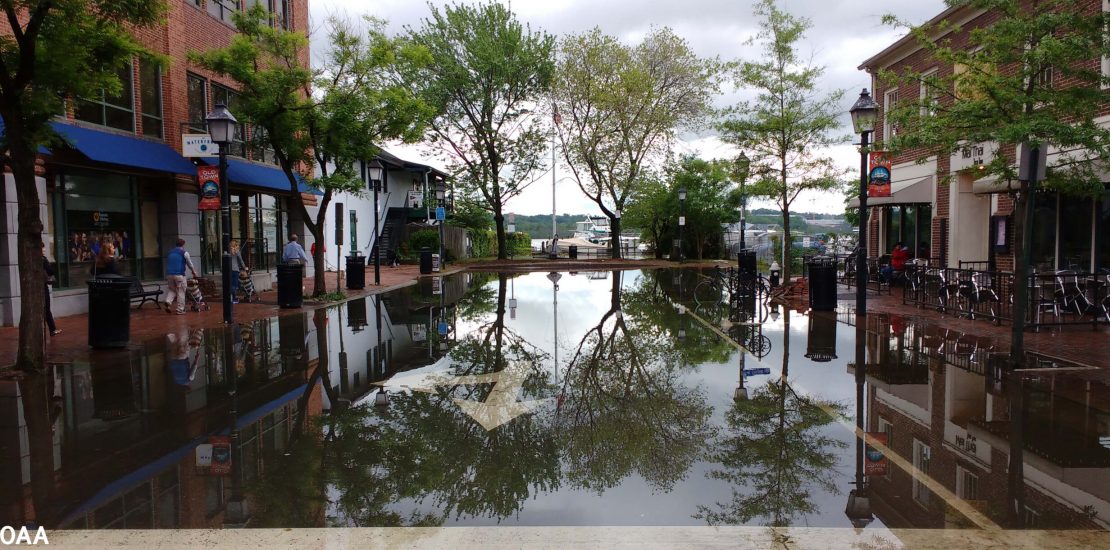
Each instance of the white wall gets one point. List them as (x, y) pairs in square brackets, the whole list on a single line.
[(969, 227)]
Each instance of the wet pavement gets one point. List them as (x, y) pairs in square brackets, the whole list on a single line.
[(630, 398)]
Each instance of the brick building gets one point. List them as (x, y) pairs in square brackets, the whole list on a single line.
[(969, 217), (122, 178)]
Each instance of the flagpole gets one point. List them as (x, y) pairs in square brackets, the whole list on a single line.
[(555, 119)]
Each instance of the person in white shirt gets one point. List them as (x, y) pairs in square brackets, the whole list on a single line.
[(293, 253)]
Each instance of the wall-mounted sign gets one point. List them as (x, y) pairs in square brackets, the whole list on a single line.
[(419, 333), (971, 155), (198, 145), (682, 220), (208, 177), (875, 463), (415, 199), (879, 175)]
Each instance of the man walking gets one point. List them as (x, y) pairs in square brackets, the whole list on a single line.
[(293, 253), (176, 262)]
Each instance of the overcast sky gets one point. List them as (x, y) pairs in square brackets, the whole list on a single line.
[(844, 33)]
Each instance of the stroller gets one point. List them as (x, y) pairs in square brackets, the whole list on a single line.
[(195, 291), (246, 286)]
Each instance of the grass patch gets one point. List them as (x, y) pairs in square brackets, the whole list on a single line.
[(330, 297)]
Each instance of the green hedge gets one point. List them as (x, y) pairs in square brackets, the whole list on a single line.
[(484, 243)]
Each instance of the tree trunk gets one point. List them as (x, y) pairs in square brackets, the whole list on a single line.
[(787, 245), (502, 241), (35, 392), (615, 235), (32, 291)]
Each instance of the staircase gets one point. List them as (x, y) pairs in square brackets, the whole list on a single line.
[(385, 241)]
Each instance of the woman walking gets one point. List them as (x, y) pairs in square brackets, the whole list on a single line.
[(51, 277), (237, 266)]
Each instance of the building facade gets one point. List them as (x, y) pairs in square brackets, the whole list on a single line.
[(121, 177), (945, 206)]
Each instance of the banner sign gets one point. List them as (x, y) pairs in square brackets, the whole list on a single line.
[(221, 455), (198, 145), (875, 464), (209, 179), (415, 199), (879, 175)]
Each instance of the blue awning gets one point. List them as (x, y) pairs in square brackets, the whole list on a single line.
[(126, 150), (242, 172)]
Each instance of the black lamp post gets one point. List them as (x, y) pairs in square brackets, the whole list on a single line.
[(681, 218), (441, 202), (863, 120), (374, 170), (744, 165), (221, 128)]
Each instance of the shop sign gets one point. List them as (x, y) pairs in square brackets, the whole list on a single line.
[(198, 145), (879, 175), (209, 179), (875, 463), (221, 455), (971, 155), (100, 218), (415, 199)]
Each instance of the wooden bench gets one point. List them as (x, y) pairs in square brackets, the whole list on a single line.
[(144, 293)]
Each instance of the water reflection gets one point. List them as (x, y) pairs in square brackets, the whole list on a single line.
[(609, 398)]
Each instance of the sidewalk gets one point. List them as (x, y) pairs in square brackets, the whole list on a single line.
[(152, 322)]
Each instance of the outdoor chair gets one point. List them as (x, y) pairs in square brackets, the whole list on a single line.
[(1042, 297), (1069, 294), (977, 292)]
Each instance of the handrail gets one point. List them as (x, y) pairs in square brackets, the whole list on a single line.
[(383, 209)]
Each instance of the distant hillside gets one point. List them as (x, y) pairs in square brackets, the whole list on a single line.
[(539, 226)]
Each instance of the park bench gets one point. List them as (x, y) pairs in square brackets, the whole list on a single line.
[(144, 293)]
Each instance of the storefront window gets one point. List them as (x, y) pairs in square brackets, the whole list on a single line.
[(257, 222), (98, 210), (1076, 219), (1043, 252), (1102, 244)]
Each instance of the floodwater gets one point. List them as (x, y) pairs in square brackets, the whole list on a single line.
[(603, 398)]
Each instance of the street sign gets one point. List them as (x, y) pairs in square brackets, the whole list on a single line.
[(682, 220), (442, 328), (753, 372), (441, 213), (198, 145)]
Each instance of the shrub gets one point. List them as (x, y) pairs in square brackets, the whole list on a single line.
[(423, 238)]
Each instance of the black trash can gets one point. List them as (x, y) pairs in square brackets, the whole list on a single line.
[(425, 261), (745, 263), (290, 281), (356, 271), (822, 283), (573, 252), (109, 311)]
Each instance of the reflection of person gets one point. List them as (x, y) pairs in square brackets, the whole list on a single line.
[(176, 263), (181, 345), (555, 245), (293, 253), (51, 275), (106, 263), (237, 266)]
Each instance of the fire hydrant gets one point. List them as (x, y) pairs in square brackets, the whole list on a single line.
[(776, 274)]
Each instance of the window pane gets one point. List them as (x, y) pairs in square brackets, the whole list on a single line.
[(1044, 232), (150, 91), (1075, 234), (120, 119), (125, 98), (198, 102), (89, 112)]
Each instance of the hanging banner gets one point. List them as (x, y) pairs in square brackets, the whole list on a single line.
[(875, 463), (209, 179), (220, 464), (879, 175)]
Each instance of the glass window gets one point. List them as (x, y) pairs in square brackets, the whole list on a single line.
[(250, 4), (1103, 221), (96, 210), (921, 459), (150, 92), (222, 9), (113, 110), (229, 97), (1076, 232), (198, 103), (1043, 253), (281, 13)]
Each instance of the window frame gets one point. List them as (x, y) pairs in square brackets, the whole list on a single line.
[(103, 103), (239, 144), (964, 489), (922, 456), (198, 126), (929, 98), (143, 116), (890, 102), (221, 10)]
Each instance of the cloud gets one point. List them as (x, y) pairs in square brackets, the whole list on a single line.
[(843, 34)]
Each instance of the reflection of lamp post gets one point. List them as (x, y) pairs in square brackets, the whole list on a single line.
[(554, 278), (681, 218), (863, 114), (741, 391), (237, 511), (221, 128), (858, 508), (744, 164), (374, 169)]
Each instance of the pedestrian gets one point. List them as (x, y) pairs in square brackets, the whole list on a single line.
[(106, 263), (293, 253), (176, 263), (237, 265), (50, 279)]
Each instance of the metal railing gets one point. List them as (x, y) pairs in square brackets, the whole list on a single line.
[(1055, 298)]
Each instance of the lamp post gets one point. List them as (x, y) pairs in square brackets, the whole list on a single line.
[(863, 121), (681, 218), (441, 202), (221, 128), (374, 169), (744, 165)]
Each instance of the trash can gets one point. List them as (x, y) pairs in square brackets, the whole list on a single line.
[(290, 283), (745, 263), (822, 283), (356, 271), (109, 311), (573, 252), (425, 261)]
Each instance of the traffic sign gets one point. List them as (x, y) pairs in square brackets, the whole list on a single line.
[(753, 372), (441, 213)]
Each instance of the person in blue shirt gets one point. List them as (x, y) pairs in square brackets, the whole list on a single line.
[(293, 253), (177, 261)]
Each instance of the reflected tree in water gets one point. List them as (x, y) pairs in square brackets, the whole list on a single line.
[(651, 302), (624, 409), (776, 453)]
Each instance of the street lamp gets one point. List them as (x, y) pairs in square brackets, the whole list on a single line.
[(681, 218), (441, 202), (863, 114), (744, 166), (221, 129), (374, 170)]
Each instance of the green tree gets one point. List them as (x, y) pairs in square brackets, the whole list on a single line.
[(1030, 77), (327, 118), (486, 74), (51, 51), (653, 209), (789, 125), (710, 201), (621, 106)]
